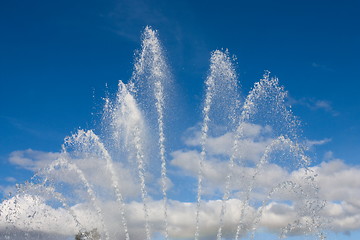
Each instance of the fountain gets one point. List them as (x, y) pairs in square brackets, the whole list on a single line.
[(245, 165)]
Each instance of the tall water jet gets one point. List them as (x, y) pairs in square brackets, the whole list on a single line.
[(151, 75), (220, 90), (128, 127)]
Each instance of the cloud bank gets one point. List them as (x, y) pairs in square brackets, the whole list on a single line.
[(283, 199)]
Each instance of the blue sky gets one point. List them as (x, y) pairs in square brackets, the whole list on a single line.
[(56, 59)]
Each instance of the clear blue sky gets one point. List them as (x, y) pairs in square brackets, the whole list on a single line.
[(56, 58)]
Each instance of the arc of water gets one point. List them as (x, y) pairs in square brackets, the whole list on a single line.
[(259, 165), (296, 222), (83, 136), (58, 196), (220, 83), (296, 188), (235, 153), (63, 162), (312, 205), (280, 186), (262, 89), (245, 115), (22, 189)]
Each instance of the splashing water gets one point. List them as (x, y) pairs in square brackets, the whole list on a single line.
[(246, 159)]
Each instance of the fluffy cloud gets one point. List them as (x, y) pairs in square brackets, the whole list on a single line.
[(313, 143), (339, 185), (342, 210), (270, 197), (33, 214), (31, 159), (252, 145)]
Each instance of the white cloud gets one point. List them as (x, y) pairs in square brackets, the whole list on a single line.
[(339, 182), (313, 143), (181, 217), (322, 67), (31, 159), (322, 104), (32, 213), (287, 189), (10, 179), (314, 104), (343, 208), (252, 145), (186, 160)]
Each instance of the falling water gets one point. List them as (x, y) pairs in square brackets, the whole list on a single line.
[(279, 143), (88, 141), (289, 185), (267, 90), (65, 164), (267, 95)]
